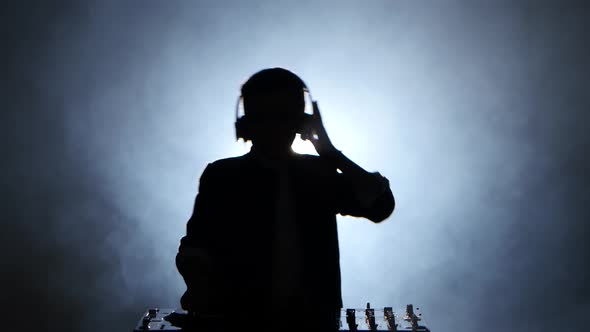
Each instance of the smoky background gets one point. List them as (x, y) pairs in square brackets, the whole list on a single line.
[(477, 113)]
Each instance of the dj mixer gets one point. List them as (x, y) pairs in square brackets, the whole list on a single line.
[(367, 319)]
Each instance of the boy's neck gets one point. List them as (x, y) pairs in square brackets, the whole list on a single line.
[(272, 159)]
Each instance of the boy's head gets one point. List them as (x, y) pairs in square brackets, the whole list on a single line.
[(274, 106)]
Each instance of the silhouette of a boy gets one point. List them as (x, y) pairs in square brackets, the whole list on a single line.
[(262, 242)]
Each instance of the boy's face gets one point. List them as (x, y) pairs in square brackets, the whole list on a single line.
[(275, 118)]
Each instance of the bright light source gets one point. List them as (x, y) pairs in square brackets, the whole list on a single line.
[(303, 147)]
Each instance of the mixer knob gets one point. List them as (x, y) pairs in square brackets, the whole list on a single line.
[(390, 319), (153, 312), (370, 318), (351, 319), (145, 323)]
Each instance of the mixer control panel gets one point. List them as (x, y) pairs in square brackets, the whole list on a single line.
[(368, 319)]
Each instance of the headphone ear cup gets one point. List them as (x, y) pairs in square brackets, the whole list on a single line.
[(242, 129), (304, 128)]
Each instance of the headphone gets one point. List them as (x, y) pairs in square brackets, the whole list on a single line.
[(243, 126)]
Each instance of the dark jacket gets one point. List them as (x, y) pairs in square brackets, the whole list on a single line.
[(234, 216)]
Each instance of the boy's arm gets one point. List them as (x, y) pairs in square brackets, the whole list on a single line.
[(194, 259), (372, 196), (360, 193)]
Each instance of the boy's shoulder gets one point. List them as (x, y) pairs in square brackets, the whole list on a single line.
[(229, 163), (239, 164)]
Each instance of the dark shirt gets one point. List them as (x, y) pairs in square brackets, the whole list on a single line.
[(234, 223)]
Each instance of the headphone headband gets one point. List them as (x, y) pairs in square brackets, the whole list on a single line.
[(241, 97), (241, 124)]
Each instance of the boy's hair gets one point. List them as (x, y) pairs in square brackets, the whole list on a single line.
[(272, 80)]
